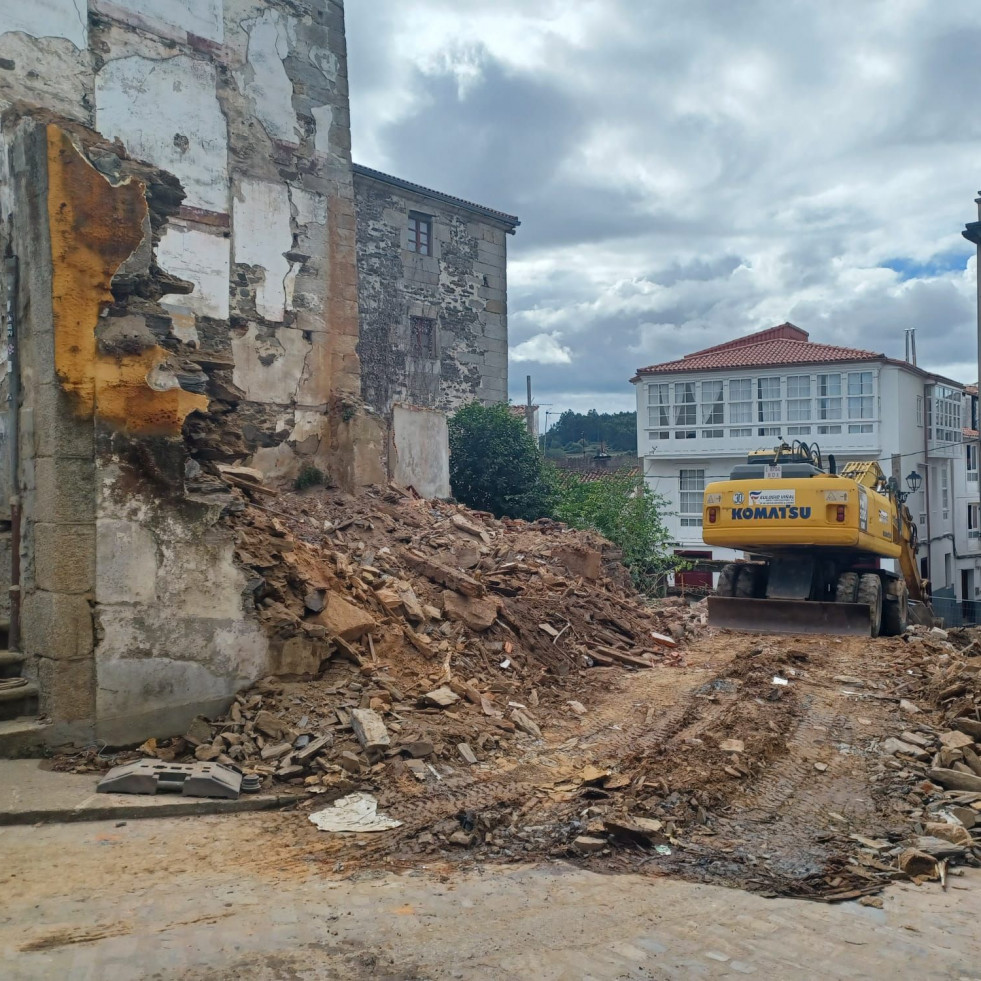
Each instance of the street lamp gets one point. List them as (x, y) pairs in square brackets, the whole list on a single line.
[(913, 481)]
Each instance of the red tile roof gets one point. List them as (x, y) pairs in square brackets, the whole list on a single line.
[(782, 345)]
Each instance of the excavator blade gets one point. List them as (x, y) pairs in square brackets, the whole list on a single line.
[(779, 616)]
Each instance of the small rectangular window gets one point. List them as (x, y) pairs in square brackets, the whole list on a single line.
[(420, 233), (919, 410), (768, 395), (798, 430), (865, 427), (684, 404), (658, 405), (423, 338), (829, 430), (712, 403), (692, 484), (711, 434), (829, 386), (798, 386), (741, 400), (741, 433), (768, 431)]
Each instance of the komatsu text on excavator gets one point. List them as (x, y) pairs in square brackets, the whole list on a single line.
[(815, 541)]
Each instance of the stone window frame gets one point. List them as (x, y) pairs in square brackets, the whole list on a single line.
[(419, 238)]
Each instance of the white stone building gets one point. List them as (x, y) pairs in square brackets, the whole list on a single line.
[(699, 416)]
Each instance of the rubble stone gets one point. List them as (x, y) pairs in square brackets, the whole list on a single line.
[(954, 780), (345, 620), (956, 739), (442, 697), (478, 613), (915, 863), (370, 731), (953, 833)]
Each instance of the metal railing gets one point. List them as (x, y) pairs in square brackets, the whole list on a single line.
[(957, 613)]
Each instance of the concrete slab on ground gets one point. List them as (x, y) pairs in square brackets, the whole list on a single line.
[(29, 795)]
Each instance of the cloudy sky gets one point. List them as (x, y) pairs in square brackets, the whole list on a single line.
[(690, 170)]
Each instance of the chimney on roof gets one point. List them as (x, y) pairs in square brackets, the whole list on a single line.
[(912, 345)]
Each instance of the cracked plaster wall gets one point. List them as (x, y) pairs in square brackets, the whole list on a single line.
[(200, 284), (462, 286)]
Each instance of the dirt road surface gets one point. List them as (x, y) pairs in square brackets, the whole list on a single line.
[(764, 792), (190, 898)]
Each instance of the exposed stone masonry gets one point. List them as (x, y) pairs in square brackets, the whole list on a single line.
[(461, 290)]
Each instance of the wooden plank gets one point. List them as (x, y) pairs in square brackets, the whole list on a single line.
[(621, 658)]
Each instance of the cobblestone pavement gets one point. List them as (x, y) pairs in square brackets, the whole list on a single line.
[(185, 898)]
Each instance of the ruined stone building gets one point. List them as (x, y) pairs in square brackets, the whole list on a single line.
[(177, 216), (432, 288)]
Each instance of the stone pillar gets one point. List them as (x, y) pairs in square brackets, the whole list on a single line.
[(56, 474)]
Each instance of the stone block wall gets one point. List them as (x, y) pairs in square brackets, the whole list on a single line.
[(433, 327), (176, 186)]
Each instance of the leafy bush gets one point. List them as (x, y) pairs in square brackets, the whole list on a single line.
[(495, 465), (309, 476), (622, 508)]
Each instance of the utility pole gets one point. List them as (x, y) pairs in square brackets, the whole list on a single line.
[(529, 411), (972, 232)]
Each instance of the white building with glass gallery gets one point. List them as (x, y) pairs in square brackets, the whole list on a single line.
[(699, 416)]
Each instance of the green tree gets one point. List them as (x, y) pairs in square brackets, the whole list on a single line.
[(622, 508), (616, 430), (495, 465)]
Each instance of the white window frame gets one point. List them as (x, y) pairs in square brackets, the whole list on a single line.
[(659, 405), (691, 493), (798, 398), (860, 395), (769, 403), (829, 396), (740, 400), (685, 406), (712, 402)]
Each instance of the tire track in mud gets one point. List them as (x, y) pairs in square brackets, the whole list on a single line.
[(761, 818)]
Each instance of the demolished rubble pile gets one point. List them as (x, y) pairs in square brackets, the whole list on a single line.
[(936, 755), (417, 639)]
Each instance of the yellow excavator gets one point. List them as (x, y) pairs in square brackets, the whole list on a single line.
[(815, 541)]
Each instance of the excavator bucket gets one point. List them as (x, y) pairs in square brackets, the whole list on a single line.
[(779, 616)]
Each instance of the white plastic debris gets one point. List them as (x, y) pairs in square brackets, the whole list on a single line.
[(356, 812), (506, 663), (777, 680)]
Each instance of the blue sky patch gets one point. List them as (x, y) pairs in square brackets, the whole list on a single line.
[(936, 265)]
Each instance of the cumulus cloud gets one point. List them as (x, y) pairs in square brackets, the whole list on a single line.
[(689, 172), (543, 348)]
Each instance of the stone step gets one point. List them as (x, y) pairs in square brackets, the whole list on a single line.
[(19, 701), (22, 736), (19, 693), (9, 659)]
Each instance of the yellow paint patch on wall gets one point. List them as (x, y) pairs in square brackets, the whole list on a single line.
[(95, 226)]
